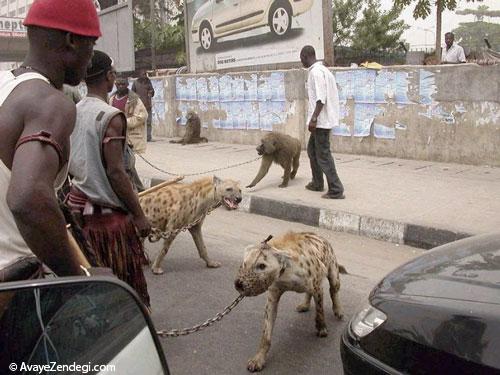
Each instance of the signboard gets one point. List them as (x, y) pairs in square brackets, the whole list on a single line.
[(117, 29), (226, 34), (12, 27)]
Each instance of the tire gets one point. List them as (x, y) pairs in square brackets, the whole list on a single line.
[(280, 18), (207, 40)]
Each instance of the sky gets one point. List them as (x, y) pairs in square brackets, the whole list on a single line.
[(422, 33)]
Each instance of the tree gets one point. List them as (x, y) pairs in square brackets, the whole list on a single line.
[(345, 13), (472, 35), (423, 9), (481, 12), (378, 29)]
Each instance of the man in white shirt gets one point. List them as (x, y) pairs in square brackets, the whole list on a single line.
[(453, 53), (322, 116)]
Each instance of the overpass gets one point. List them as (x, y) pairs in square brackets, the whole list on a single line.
[(13, 39)]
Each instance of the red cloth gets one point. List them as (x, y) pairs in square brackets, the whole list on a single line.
[(75, 16), (120, 103), (114, 240)]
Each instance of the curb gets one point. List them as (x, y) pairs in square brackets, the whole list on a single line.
[(419, 236)]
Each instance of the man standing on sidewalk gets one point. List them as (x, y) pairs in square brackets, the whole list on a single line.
[(143, 87), (322, 116), (101, 196), (129, 103)]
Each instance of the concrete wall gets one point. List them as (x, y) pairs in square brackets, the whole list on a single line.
[(435, 113)]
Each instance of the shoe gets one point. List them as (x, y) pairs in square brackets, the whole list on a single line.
[(333, 196), (312, 187)]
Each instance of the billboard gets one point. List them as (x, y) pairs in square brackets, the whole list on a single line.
[(226, 34), (12, 27)]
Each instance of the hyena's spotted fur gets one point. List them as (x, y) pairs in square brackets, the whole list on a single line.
[(178, 205)]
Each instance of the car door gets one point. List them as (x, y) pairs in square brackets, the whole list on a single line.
[(226, 16), (254, 12)]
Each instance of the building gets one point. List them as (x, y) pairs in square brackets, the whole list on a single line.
[(14, 8)]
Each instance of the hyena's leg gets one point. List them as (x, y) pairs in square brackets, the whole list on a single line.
[(156, 267), (258, 361), (334, 280), (200, 245), (306, 305), (321, 329)]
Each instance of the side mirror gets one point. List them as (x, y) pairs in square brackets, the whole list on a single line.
[(85, 325)]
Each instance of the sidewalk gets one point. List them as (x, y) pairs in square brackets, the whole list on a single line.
[(419, 203)]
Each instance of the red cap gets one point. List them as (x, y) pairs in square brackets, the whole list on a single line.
[(75, 16)]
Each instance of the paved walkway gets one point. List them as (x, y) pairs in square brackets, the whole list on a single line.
[(404, 201)]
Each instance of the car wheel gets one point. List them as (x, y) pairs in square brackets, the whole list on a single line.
[(280, 19), (206, 37)]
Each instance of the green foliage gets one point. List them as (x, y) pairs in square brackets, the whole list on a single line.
[(167, 37), (423, 7), (472, 35), (345, 13), (378, 29)]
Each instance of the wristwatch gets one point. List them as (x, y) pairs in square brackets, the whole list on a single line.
[(314, 119)]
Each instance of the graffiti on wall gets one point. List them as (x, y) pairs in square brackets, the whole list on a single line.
[(233, 102)]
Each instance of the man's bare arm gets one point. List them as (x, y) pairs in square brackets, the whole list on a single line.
[(118, 178), (31, 196)]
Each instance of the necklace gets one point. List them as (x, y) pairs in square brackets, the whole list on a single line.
[(29, 67)]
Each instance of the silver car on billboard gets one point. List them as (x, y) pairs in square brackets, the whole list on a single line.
[(218, 18)]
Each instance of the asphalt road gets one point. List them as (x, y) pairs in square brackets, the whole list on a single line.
[(188, 293)]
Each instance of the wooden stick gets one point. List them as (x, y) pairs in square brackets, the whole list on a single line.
[(76, 248), (159, 186)]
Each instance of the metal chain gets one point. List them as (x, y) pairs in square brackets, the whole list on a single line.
[(195, 174), (157, 234), (199, 327)]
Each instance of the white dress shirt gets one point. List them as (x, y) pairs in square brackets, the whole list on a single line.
[(321, 86), (455, 54)]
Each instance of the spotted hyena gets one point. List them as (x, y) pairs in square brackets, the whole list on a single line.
[(175, 206), (296, 262)]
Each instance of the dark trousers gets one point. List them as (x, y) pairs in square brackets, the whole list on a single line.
[(149, 126), (320, 157)]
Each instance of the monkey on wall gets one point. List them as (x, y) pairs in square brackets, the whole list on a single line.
[(193, 129), (281, 149)]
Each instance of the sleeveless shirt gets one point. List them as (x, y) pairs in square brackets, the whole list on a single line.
[(86, 163), (12, 245)]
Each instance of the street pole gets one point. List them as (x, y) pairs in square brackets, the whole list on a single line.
[(153, 34)]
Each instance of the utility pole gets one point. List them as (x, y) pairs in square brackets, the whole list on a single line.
[(153, 34)]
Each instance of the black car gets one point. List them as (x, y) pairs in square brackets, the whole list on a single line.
[(437, 314)]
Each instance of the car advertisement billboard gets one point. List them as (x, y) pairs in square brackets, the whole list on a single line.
[(226, 34)]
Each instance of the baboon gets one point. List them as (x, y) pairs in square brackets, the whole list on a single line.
[(283, 150), (193, 128)]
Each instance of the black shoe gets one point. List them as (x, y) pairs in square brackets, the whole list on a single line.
[(333, 196), (312, 187)]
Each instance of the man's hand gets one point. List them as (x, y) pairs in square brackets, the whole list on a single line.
[(312, 125), (142, 224)]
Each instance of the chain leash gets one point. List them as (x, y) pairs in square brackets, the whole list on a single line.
[(195, 174), (199, 327)]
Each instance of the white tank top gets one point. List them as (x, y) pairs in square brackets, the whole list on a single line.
[(12, 244)]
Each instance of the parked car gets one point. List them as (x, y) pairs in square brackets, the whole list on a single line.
[(437, 314), (85, 325), (218, 18)]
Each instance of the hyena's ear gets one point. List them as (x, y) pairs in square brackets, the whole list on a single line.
[(284, 260), (217, 180)]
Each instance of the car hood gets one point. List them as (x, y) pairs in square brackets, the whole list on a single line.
[(203, 12), (467, 270)]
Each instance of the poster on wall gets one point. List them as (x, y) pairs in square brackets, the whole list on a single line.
[(237, 33)]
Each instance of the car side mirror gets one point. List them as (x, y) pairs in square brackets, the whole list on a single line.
[(86, 325)]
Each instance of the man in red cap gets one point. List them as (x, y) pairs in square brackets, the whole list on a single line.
[(36, 122)]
